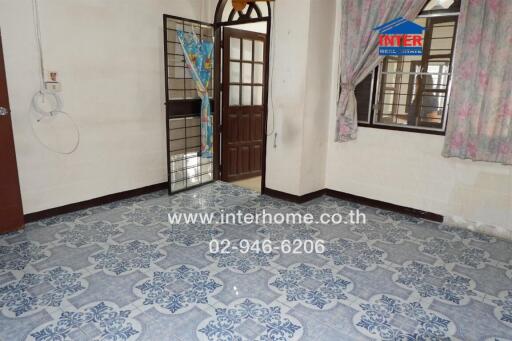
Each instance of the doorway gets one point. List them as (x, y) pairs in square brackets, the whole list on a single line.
[(242, 104), (11, 212), (241, 93)]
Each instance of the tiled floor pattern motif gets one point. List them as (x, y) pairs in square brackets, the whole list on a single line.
[(121, 272)]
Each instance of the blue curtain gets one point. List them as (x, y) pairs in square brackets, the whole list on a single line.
[(198, 58)]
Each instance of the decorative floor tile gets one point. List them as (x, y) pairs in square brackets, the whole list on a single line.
[(190, 235), (177, 255), (84, 234), (435, 281), (358, 255), (239, 232), (408, 251), (455, 252), (370, 283), (428, 230), (70, 257), (120, 271), (474, 321), (462, 233), (19, 328), (504, 312), (34, 291), (174, 327), (111, 215), (146, 216), (329, 232), (332, 324), (37, 233), (316, 288), (278, 233), (254, 284), (243, 262), (126, 257), (498, 250), (385, 231), (286, 259), (387, 317), (144, 233), (17, 256), (178, 290), (104, 287), (99, 321), (250, 319), (489, 280)]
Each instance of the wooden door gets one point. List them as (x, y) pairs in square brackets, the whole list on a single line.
[(11, 212), (243, 76)]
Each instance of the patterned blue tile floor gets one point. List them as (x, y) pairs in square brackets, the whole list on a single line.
[(120, 272)]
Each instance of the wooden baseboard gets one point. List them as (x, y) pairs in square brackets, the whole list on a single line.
[(292, 197), (385, 205), (354, 198), (93, 202), (267, 191)]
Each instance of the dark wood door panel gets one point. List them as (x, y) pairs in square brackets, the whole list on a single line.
[(11, 211), (244, 164), (255, 157), (232, 168), (244, 128), (242, 122), (230, 131), (257, 127)]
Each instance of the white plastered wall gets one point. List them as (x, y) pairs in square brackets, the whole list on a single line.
[(109, 55), (407, 169)]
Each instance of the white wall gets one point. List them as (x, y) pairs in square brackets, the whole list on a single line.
[(289, 54), (300, 85), (407, 169), (109, 55), (317, 101)]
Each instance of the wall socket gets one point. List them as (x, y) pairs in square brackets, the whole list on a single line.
[(53, 86), (52, 82), (52, 76)]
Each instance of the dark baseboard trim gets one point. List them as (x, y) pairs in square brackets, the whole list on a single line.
[(31, 217), (354, 198), (299, 199), (385, 205)]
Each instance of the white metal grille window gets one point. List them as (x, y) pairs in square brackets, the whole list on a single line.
[(412, 92)]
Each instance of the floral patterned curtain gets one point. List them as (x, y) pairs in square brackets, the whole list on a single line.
[(359, 51), (480, 111), (198, 57)]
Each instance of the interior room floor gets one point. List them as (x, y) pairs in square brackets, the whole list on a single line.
[(253, 184), (121, 272)]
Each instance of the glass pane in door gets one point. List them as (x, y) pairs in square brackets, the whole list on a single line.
[(247, 73), (246, 95), (234, 50), (258, 51), (258, 73), (234, 72), (247, 49)]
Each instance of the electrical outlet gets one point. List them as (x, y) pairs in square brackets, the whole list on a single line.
[(52, 76), (53, 86)]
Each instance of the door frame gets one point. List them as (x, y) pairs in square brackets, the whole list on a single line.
[(241, 109), (218, 25), (17, 222)]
